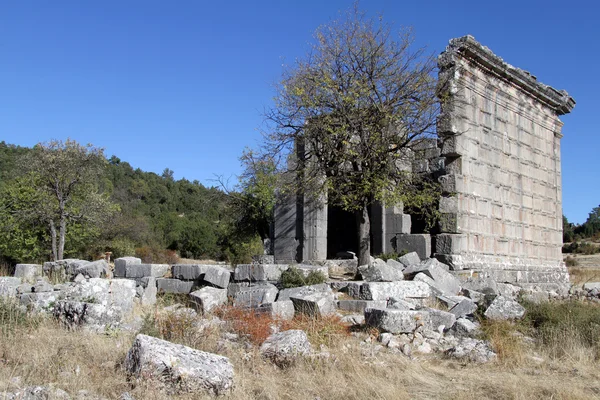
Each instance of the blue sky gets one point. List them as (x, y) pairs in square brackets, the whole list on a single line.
[(183, 84)]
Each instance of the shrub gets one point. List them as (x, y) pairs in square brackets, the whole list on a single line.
[(151, 255), (254, 326), (122, 247), (293, 277), (571, 261), (240, 251), (391, 256)]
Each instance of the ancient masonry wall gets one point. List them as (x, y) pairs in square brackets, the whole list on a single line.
[(502, 202)]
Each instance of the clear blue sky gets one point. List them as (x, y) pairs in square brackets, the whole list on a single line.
[(182, 84)]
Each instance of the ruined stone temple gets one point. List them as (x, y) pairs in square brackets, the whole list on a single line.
[(497, 157)]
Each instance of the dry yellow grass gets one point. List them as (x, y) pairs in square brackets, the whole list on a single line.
[(78, 360)]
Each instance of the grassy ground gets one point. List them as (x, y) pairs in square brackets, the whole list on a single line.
[(562, 364)]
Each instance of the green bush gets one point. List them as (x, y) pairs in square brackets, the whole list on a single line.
[(391, 256), (240, 251), (122, 247), (293, 277)]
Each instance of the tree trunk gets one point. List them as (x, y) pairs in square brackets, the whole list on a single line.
[(364, 238), (61, 240), (53, 236)]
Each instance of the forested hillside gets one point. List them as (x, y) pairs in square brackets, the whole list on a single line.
[(154, 216)]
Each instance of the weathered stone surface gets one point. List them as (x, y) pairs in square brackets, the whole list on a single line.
[(218, 276), (591, 286), (284, 348), (396, 321), (122, 263), (145, 270), (259, 272), (410, 259), (37, 393), (399, 304), (189, 272), (42, 286), (504, 308), (379, 271), (353, 319), (285, 294), (341, 268), (466, 328), (400, 290), (306, 269), (28, 272), (443, 281), (474, 295), (9, 285), (359, 306), (39, 301), (419, 243), (62, 269), (179, 368), (263, 259), (395, 264), (208, 298), (96, 269), (314, 304), (255, 294), (508, 290), (428, 266), (148, 295), (477, 351), (440, 320), (464, 308), (169, 285), (283, 310)]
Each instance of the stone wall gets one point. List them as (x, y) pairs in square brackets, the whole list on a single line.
[(502, 207)]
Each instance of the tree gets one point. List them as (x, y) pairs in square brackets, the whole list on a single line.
[(65, 177), (350, 111), (592, 225)]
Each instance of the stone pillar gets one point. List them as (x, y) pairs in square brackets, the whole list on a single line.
[(314, 244), (285, 235)]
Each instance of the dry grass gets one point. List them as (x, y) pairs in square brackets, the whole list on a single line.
[(46, 353), (580, 275)]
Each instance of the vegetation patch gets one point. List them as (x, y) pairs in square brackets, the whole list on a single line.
[(293, 277)]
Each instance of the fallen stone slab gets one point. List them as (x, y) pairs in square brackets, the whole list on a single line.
[(474, 350), (255, 295), (117, 295), (508, 290), (180, 368), (169, 285), (396, 321), (284, 348), (307, 269), (283, 310), (395, 264), (92, 316), (144, 270), (465, 328), (285, 294), (341, 268), (121, 264), (148, 293), (208, 298), (379, 271), (399, 290), (504, 308), (189, 272), (259, 272), (218, 276), (62, 269), (446, 283), (314, 304), (39, 301), (409, 259), (42, 286), (9, 285), (95, 269), (359, 306), (440, 321), (464, 308), (28, 272), (474, 295), (399, 304), (353, 319), (586, 286)]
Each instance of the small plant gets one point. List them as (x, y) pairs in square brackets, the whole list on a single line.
[(90, 299), (293, 277), (13, 316), (391, 256), (571, 261), (254, 326)]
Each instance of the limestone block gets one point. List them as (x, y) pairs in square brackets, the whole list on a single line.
[(354, 288), (263, 259), (8, 286), (217, 276), (142, 270), (314, 304), (410, 259), (447, 243), (400, 290), (395, 264), (42, 286), (473, 350), (259, 272), (28, 272), (255, 294), (359, 306), (189, 272), (428, 266), (464, 308), (474, 295), (399, 304), (440, 320), (283, 310), (168, 285), (284, 348), (285, 294), (121, 264), (208, 298), (397, 223), (180, 368), (115, 295), (306, 269), (504, 308), (39, 301), (419, 243), (444, 282), (95, 269), (380, 271), (148, 295), (235, 287), (396, 321)]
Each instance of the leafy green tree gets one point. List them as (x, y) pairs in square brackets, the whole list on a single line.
[(592, 224), (568, 230), (351, 110)]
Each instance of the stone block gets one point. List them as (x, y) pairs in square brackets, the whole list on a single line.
[(208, 298), (306, 269), (451, 243), (148, 295), (182, 369), (259, 272), (380, 271), (218, 276), (28, 272), (189, 272), (440, 279), (464, 308), (42, 286), (399, 304), (359, 306), (134, 271), (255, 295), (168, 285), (283, 310), (314, 304), (354, 288), (419, 243), (95, 269), (504, 308), (396, 321), (263, 259), (121, 264), (39, 301), (400, 290), (284, 348), (285, 294), (409, 259), (9, 285), (440, 320)]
